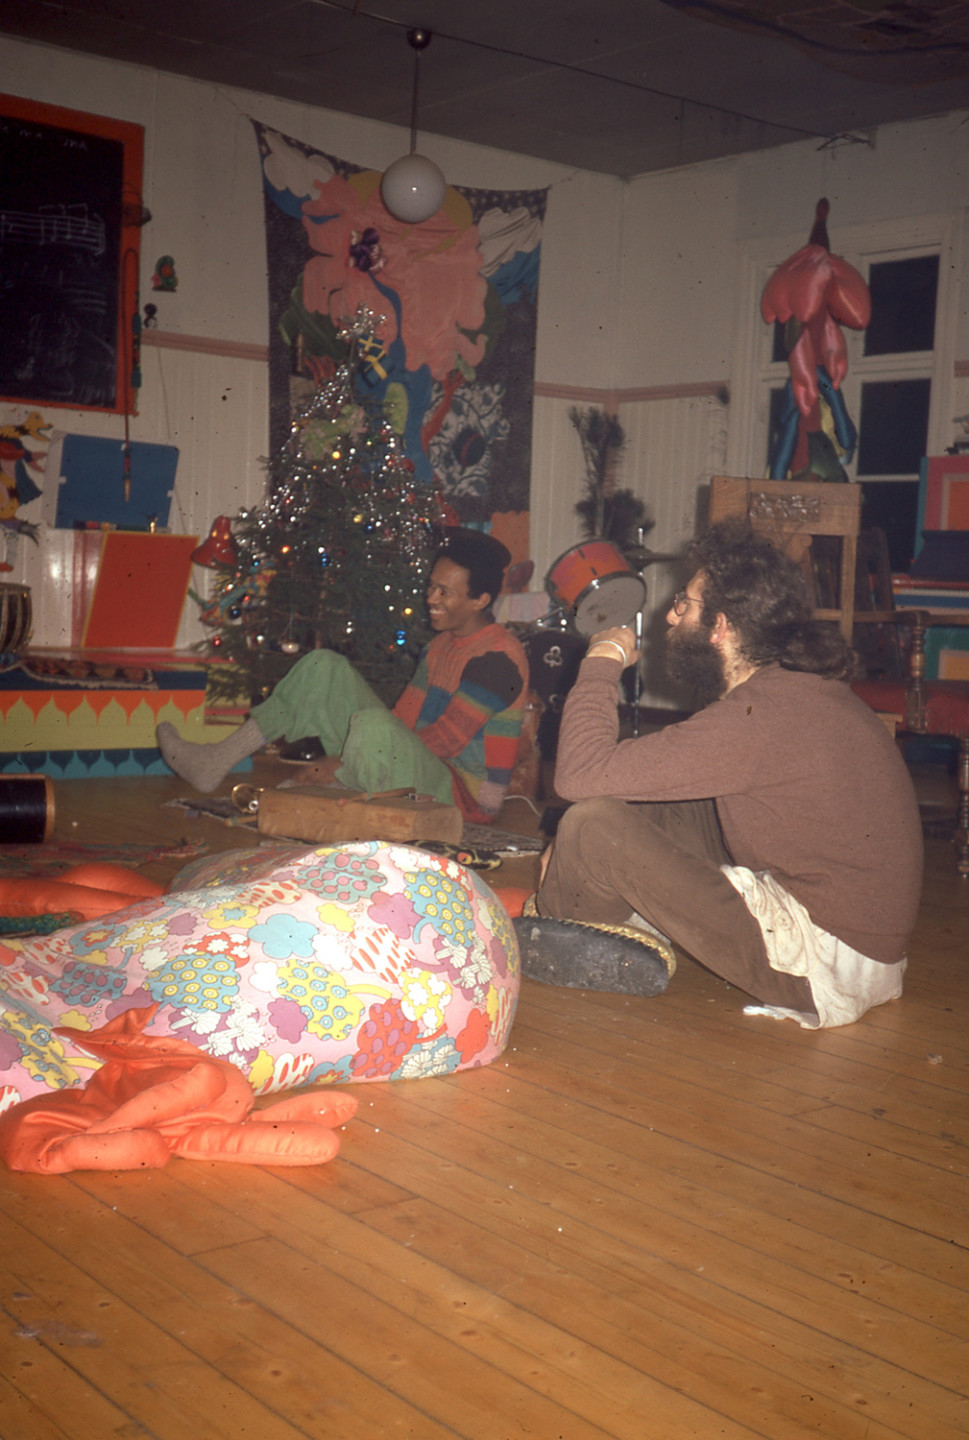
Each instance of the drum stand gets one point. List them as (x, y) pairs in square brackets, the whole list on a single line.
[(638, 676), (644, 558)]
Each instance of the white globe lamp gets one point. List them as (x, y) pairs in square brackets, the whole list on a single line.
[(413, 188)]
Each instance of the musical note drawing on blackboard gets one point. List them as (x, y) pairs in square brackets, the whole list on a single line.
[(55, 225), (65, 307)]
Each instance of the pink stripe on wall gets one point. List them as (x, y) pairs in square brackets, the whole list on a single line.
[(610, 400)]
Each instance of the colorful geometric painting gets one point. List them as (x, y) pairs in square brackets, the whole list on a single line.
[(454, 301)]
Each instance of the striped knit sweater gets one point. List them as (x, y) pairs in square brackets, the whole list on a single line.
[(467, 701)]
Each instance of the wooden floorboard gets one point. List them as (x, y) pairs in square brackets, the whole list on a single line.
[(648, 1219)]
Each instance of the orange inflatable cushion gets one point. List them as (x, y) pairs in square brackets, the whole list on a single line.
[(88, 891), (155, 1097)]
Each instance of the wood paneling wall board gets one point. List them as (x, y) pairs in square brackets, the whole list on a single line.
[(211, 406)]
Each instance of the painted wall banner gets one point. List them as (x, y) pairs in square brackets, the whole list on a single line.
[(454, 302)]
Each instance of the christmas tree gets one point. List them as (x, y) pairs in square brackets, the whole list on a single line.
[(337, 556)]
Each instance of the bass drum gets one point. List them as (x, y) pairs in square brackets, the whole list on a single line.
[(598, 588), (554, 657)]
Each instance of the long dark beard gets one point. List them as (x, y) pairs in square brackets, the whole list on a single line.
[(694, 660)]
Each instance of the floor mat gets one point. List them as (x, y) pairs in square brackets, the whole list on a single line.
[(483, 838), (215, 808), (489, 837), (55, 855)]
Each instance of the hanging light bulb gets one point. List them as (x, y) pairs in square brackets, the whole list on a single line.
[(413, 188)]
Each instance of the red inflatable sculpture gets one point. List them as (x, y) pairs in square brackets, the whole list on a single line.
[(814, 293)]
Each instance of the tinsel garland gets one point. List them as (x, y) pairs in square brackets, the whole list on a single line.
[(338, 553)]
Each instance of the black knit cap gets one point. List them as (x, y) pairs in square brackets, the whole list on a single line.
[(484, 558)]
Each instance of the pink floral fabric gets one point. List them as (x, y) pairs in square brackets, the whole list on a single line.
[(300, 966), (434, 269)]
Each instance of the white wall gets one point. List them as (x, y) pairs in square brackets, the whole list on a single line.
[(202, 183), (684, 232), (203, 186), (694, 243), (646, 294)]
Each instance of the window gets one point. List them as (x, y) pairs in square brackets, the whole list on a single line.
[(894, 377), (903, 298)]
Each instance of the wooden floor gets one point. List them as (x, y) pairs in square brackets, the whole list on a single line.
[(651, 1218)]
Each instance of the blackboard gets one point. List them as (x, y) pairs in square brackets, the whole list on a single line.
[(70, 193)]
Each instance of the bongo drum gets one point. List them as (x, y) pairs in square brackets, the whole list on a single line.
[(14, 618), (597, 586)]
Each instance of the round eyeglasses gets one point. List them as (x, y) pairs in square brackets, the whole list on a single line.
[(681, 600)]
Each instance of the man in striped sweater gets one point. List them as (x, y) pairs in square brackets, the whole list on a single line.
[(453, 733)]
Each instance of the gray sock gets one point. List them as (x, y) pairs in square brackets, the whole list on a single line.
[(639, 923), (204, 766)]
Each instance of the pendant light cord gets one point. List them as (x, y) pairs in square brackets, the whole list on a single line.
[(418, 39)]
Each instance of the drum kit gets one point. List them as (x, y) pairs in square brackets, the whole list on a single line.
[(592, 587)]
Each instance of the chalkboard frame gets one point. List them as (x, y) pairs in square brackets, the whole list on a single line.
[(121, 286)]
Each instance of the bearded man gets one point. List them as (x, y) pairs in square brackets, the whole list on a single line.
[(773, 835)]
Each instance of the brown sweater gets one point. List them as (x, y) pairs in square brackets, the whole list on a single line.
[(807, 781)]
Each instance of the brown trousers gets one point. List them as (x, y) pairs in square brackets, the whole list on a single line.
[(663, 861)]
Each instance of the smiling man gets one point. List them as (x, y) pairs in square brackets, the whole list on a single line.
[(774, 835), (453, 733)]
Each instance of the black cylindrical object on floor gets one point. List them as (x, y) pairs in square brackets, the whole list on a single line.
[(26, 809)]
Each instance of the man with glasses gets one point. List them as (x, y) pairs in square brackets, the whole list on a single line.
[(773, 835)]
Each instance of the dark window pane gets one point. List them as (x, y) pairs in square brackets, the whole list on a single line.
[(893, 427), (778, 348), (902, 305), (778, 404), (893, 507)]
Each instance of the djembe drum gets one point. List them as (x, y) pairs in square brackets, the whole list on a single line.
[(15, 618)]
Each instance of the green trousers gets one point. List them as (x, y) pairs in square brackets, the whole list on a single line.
[(324, 696)]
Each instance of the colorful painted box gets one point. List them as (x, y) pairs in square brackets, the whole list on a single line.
[(77, 714)]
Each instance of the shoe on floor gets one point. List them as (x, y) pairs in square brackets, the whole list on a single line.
[(583, 956), (300, 752)]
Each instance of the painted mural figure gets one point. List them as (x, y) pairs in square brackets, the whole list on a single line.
[(17, 485)]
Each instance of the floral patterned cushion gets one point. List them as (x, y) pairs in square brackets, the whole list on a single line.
[(301, 966)]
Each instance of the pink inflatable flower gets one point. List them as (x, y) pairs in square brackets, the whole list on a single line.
[(822, 292)]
